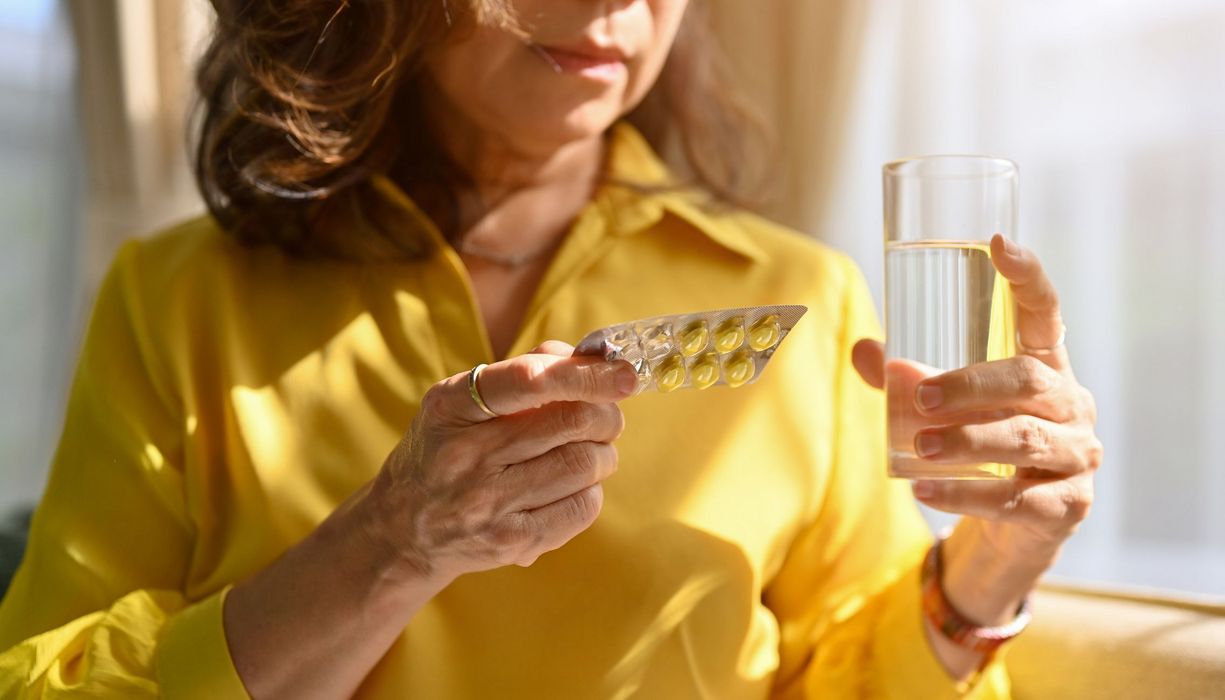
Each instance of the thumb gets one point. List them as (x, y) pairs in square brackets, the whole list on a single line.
[(868, 356), (1039, 323)]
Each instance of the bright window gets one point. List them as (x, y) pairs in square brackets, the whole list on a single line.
[(40, 182)]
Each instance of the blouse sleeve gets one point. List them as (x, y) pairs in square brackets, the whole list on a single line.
[(847, 596), (96, 608)]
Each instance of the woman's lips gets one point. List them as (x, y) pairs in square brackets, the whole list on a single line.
[(602, 65)]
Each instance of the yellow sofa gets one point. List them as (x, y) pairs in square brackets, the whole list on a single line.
[(1089, 644)]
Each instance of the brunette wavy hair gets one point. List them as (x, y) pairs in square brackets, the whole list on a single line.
[(301, 101)]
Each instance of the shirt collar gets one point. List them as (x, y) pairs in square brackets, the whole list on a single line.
[(639, 191)]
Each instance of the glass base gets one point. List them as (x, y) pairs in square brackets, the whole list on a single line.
[(908, 466)]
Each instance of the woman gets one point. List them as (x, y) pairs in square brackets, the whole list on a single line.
[(275, 480)]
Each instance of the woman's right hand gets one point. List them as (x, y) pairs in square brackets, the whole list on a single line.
[(465, 492), (461, 492)]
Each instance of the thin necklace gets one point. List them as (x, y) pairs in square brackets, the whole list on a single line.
[(506, 259)]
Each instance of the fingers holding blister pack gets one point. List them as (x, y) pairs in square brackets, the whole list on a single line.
[(697, 350)]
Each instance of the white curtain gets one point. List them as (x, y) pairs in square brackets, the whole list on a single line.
[(1115, 111), (798, 62), (135, 93), (92, 151)]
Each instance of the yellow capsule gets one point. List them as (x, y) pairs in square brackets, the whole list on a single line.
[(738, 369), (670, 374), (764, 333), (730, 335), (705, 371), (694, 338)]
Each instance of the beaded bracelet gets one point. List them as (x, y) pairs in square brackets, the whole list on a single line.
[(953, 625)]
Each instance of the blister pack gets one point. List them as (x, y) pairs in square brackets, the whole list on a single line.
[(696, 350)]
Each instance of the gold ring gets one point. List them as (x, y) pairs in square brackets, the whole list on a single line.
[(1063, 334), (476, 393)]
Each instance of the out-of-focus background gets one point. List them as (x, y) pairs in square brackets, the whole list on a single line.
[(1115, 111)]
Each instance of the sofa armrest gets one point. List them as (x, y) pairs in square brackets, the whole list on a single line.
[(1089, 644)]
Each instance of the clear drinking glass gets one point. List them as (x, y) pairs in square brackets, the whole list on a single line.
[(946, 307)]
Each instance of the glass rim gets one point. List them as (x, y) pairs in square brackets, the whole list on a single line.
[(904, 167)]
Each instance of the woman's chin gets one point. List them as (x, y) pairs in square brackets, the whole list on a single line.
[(580, 122)]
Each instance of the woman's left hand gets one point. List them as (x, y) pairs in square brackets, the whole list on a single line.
[(1041, 420)]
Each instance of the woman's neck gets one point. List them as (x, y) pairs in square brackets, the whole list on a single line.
[(519, 204), (522, 196)]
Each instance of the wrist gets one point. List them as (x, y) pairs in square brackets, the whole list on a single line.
[(955, 626), (987, 582), (338, 579), (387, 536)]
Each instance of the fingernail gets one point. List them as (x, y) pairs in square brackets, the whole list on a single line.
[(923, 489), (627, 380), (929, 396), (928, 444), (1011, 248)]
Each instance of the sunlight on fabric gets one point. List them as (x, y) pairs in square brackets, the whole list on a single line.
[(153, 458), (674, 612), (265, 429)]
